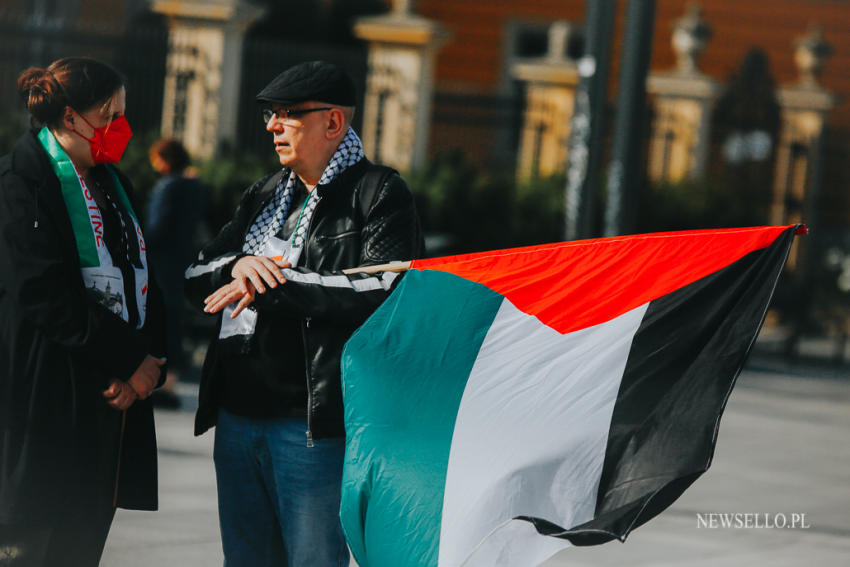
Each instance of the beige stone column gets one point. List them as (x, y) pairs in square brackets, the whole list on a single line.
[(399, 86), (682, 100), (805, 105), (551, 83), (201, 94), (804, 109)]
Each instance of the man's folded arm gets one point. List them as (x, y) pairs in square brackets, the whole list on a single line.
[(212, 268), (391, 233)]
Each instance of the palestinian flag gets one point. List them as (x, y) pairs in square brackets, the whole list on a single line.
[(501, 406)]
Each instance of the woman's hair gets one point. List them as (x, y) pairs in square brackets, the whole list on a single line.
[(78, 82), (171, 152)]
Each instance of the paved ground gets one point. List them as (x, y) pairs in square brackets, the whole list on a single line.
[(783, 449)]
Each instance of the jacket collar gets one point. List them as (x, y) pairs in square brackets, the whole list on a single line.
[(29, 159), (335, 188), (30, 162), (344, 180)]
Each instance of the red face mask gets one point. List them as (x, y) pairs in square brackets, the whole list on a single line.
[(108, 142)]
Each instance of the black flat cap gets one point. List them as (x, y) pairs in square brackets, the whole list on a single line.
[(313, 80)]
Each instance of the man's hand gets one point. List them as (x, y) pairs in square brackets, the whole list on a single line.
[(246, 273), (146, 376), (120, 395), (256, 270), (227, 294)]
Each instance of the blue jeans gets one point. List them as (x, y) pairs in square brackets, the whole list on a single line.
[(278, 500)]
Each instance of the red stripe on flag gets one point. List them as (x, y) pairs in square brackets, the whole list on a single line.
[(575, 285)]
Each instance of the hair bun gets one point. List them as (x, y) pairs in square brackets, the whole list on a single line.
[(42, 94), (78, 82), (29, 79)]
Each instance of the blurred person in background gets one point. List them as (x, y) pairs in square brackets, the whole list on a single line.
[(82, 334), (174, 209)]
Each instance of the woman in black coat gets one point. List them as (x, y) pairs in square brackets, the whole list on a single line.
[(81, 329)]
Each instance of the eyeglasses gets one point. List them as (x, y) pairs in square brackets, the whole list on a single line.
[(287, 113)]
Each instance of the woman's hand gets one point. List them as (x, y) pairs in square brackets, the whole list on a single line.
[(120, 395), (146, 377)]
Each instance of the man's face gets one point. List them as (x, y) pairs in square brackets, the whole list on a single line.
[(299, 137)]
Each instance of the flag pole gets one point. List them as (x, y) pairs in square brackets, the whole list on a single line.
[(391, 267)]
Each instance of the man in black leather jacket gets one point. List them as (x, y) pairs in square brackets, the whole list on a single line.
[(271, 380)]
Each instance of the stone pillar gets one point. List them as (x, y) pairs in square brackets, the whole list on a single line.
[(805, 105), (682, 100), (203, 70), (400, 85), (804, 109), (551, 83)]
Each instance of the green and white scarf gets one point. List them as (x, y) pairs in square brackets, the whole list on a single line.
[(103, 279)]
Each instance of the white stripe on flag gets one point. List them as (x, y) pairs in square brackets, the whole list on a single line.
[(515, 542), (530, 436)]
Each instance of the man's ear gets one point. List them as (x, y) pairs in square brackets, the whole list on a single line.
[(336, 123)]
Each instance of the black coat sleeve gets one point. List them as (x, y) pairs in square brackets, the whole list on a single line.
[(156, 327), (47, 291), (390, 232), (211, 269)]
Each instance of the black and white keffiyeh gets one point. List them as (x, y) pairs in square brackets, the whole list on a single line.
[(275, 213)]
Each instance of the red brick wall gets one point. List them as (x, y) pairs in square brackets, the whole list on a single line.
[(473, 60)]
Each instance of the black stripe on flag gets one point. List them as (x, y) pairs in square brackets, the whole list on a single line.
[(684, 360)]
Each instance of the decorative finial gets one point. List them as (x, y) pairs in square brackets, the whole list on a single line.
[(402, 7), (810, 52), (559, 37), (690, 36)]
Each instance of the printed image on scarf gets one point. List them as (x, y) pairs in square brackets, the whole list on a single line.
[(104, 285)]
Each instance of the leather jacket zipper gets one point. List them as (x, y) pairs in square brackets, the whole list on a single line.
[(309, 386), (304, 335)]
